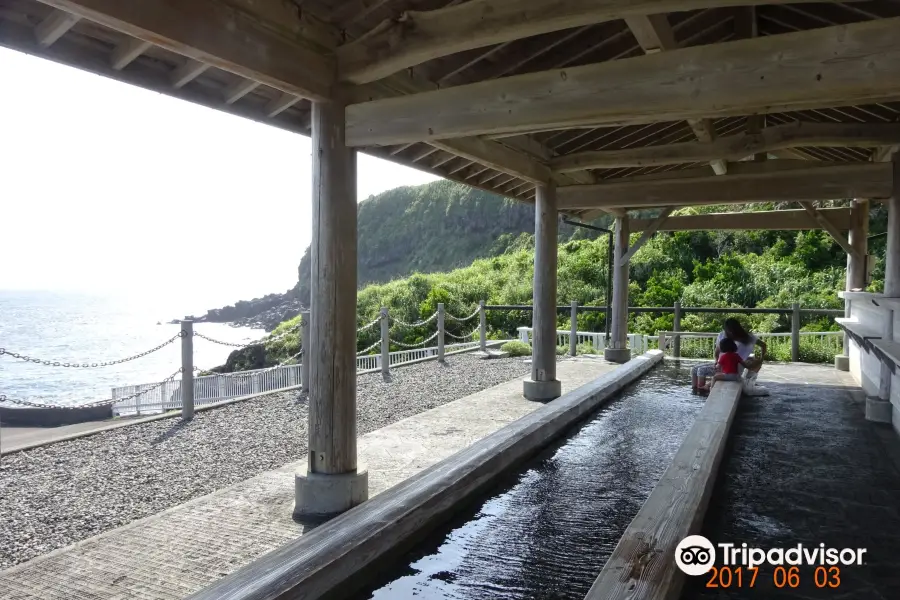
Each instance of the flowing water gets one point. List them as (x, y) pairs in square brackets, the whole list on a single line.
[(547, 530), (79, 328)]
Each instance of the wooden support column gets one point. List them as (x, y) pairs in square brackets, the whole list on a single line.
[(892, 253), (617, 346), (543, 384), (859, 231), (333, 482)]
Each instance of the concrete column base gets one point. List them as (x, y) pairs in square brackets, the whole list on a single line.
[(878, 410), (541, 390), (617, 355), (320, 495), (841, 362)]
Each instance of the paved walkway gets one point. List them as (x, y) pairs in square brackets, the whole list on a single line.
[(806, 467), (182, 550)]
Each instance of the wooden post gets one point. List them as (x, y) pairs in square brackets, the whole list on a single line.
[(482, 326), (617, 345), (305, 357), (573, 329), (385, 341), (332, 483), (440, 336), (543, 384), (857, 238), (795, 332), (187, 369), (676, 326), (892, 254)]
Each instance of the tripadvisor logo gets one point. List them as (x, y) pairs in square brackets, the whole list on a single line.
[(695, 555)]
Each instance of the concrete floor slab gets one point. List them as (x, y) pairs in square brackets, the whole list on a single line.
[(181, 550)]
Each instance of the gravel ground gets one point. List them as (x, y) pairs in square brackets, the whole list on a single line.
[(54, 496)]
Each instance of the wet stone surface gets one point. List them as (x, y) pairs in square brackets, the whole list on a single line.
[(805, 467), (546, 530)]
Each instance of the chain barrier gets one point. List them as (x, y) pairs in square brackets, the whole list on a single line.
[(413, 346), (465, 337), (96, 404), (262, 340), (463, 319), (417, 324), (369, 325), (369, 349), (57, 363)]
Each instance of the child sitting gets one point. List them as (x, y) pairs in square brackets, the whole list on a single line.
[(727, 366)]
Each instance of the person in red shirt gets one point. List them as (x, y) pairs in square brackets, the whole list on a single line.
[(727, 368)]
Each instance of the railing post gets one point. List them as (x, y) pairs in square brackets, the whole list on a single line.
[(573, 329), (304, 358), (440, 332), (676, 327), (187, 369), (482, 327), (795, 332), (385, 341), (662, 342)]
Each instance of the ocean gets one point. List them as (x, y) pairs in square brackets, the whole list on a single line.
[(69, 327)]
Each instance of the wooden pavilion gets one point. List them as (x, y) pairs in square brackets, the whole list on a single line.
[(579, 106)]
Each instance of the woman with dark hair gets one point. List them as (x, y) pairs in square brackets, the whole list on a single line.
[(745, 342)]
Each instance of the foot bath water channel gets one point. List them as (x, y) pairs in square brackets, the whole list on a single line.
[(546, 530)]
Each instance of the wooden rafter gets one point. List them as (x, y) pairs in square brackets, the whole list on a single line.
[(126, 52), (419, 36), (186, 73), (214, 33), (824, 67), (736, 147), (860, 180), (497, 156), (54, 27)]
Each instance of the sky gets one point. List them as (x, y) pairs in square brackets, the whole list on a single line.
[(114, 190)]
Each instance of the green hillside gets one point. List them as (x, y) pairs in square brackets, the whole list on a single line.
[(719, 269)]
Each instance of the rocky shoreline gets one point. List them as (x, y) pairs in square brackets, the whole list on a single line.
[(260, 313)]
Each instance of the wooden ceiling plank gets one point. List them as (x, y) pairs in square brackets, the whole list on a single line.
[(215, 33), (824, 67), (419, 36)]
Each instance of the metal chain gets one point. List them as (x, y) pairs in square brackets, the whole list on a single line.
[(463, 319), (262, 340), (369, 349), (57, 363), (410, 346), (463, 337), (97, 403), (369, 325), (417, 324)]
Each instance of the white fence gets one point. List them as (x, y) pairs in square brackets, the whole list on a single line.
[(209, 389), (637, 342)]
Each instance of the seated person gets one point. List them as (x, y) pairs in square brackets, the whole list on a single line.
[(728, 363)]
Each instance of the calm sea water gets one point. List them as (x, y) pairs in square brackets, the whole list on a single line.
[(81, 328)]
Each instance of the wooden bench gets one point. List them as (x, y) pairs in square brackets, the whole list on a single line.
[(861, 334), (642, 566)]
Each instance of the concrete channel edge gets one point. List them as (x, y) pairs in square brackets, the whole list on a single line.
[(333, 558)]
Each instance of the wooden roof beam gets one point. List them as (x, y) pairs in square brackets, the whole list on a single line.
[(419, 36), (706, 133), (126, 52), (736, 147), (781, 220), (54, 27), (862, 180), (832, 66), (497, 156), (186, 73), (215, 33)]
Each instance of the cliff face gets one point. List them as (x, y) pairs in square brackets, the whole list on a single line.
[(428, 228)]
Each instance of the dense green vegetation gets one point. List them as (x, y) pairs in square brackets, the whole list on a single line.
[(417, 230)]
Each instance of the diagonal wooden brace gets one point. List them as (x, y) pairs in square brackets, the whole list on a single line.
[(831, 229), (648, 233)]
